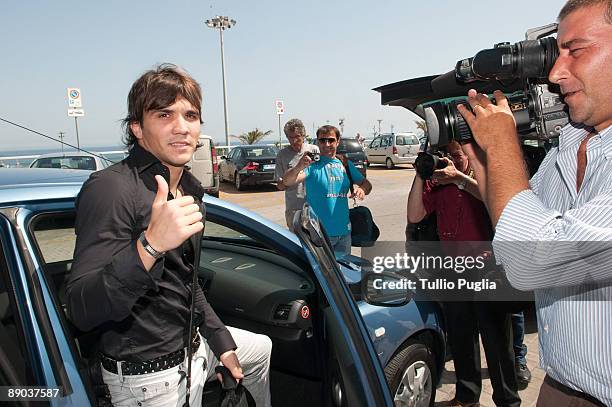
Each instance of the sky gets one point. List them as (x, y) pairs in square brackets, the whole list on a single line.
[(322, 58)]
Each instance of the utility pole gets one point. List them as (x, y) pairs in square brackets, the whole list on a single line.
[(61, 134), (76, 125), (222, 23), (379, 121)]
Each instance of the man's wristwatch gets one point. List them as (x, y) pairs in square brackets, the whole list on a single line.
[(154, 253), (462, 184)]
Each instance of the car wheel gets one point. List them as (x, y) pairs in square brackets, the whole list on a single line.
[(389, 163), (238, 182), (410, 374)]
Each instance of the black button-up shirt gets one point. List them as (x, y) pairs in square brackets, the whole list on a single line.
[(141, 314)]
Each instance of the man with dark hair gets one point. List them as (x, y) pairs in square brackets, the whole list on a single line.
[(553, 231), (328, 187), (288, 158), (138, 229)]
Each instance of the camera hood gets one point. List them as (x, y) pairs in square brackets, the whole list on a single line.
[(413, 92)]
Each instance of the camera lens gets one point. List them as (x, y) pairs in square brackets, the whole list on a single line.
[(525, 59), (444, 122), (426, 164)]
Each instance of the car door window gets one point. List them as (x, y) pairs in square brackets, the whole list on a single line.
[(15, 366), (216, 231), (375, 143), (413, 140)]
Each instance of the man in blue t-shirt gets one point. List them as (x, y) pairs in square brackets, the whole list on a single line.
[(328, 187)]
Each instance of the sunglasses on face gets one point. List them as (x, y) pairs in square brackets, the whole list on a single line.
[(323, 140)]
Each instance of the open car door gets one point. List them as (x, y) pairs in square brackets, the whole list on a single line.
[(357, 378)]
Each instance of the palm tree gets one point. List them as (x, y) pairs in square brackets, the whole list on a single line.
[(253, 136), (421, 125)]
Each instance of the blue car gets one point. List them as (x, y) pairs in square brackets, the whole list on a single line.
[(330, 346)]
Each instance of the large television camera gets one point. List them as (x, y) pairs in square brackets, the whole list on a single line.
[(538, 107)]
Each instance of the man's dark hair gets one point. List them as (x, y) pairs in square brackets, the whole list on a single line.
[(294, 126), (327, 130), (157, 89), (573, 5)]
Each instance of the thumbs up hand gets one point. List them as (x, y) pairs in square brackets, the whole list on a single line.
[(172, 222)]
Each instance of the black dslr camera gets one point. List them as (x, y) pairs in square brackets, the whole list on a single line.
[(537, 105), (426, 163)]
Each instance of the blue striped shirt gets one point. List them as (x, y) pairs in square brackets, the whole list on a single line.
[(558, 242)]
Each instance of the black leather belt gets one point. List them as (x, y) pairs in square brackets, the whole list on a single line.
[(571, 392), (158, 364)]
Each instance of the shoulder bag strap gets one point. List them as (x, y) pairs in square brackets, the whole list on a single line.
[(348, 172)]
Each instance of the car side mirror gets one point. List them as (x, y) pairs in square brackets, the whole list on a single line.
[(223, 157), (385, 289)]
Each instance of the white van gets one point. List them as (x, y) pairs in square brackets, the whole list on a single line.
[(204, 165), (393, 148)]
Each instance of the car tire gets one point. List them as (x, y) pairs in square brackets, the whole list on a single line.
[(238, 182), (389, 163), (411, 374)]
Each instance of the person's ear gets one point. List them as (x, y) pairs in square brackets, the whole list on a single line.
[(136, 129)]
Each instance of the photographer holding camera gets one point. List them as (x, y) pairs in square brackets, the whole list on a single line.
[(287, 158), (542, 224), (328, 187), (461, 216)]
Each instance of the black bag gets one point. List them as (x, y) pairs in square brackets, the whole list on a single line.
[(364, 231), (234, 394)]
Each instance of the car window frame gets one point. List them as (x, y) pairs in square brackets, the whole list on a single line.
[(21, 218), (316, 245), (23, 330)]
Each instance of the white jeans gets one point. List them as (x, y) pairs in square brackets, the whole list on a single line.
[(163, 388)]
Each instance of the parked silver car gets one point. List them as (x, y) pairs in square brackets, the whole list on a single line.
[(74, 160), (393, 148)]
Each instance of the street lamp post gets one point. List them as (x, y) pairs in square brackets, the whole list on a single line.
[(222, 23)]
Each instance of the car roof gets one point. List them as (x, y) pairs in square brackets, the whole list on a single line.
[(33, 184), (67, 154), (408, 133), (253, 146)]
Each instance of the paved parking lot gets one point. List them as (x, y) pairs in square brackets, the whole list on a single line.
[(388, 205)]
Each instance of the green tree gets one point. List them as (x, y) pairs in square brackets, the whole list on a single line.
[(253, 136)]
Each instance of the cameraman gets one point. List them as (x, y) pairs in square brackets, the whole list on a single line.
[(567, 202), (461, 216)]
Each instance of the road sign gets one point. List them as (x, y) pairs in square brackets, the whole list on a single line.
[(280, 107), (74, 97), (76, 112)]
